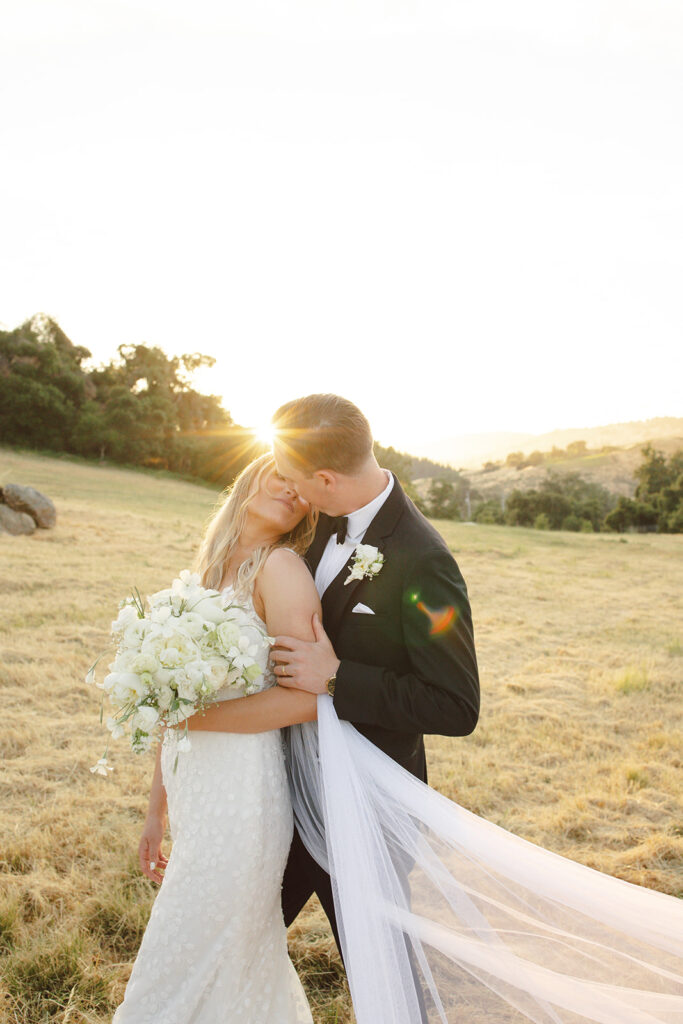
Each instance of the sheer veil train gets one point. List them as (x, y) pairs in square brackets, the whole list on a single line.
[(446, 917)]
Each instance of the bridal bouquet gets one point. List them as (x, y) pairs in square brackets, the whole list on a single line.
[(172, 658)]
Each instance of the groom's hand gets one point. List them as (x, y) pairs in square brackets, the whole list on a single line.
[(305, 664)]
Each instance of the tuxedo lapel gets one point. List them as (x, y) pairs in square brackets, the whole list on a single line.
[(337, 597)]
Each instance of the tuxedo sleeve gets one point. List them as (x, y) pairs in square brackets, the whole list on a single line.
[(440, 691)]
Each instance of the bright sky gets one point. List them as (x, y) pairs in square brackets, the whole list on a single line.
[(465, 216)]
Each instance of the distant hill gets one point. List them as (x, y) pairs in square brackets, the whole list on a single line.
[(614, 470), (471, 451)]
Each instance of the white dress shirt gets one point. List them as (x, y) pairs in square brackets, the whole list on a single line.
[(335, 556)]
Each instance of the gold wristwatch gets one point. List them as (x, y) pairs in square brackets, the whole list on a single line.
[(331, 684)]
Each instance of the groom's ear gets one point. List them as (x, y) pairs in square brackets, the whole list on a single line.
[(327, 477)]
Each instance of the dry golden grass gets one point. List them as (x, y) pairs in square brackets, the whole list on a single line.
[(578, 746)]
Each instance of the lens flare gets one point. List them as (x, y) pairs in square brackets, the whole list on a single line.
[(441, 619)]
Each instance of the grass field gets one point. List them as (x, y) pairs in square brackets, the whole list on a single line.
[(578, 747)]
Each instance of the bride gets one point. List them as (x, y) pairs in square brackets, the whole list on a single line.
[(215, 947)]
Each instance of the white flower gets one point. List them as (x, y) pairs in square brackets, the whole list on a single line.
[(367, 563), (227, 634), (115, 728), (210, 608), (184, 744), (126, 617), (243, 654), (102, 767), (187, 689), (145, 718), (124, 687), (144, 662), (161, 614), (189, 643), (164, 697), (193, 624)]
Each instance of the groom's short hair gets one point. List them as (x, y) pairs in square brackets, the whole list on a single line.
[(323, 432)]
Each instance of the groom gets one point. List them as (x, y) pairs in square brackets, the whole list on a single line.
[(397, 649)]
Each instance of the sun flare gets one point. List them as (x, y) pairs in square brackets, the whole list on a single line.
[(265, 432)]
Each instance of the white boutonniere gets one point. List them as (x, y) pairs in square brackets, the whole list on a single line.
[(367, 563)]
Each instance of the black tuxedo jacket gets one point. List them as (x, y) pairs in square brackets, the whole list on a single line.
[(410, 668)]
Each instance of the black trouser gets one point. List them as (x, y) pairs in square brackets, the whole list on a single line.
[(303, 876)]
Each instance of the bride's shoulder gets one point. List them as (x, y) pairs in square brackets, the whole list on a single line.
[(283, 566), (283, 560)]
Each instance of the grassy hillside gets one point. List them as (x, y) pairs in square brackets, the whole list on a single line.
[(578, 747)]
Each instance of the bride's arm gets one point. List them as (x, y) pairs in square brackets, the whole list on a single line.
[(271, 709), (286, 592), (149, 847)]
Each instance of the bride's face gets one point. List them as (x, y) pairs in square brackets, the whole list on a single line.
[(277, 504)]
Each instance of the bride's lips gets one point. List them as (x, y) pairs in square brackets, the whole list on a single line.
[(289, 504)]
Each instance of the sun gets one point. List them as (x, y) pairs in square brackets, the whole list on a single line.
[(265, 432)]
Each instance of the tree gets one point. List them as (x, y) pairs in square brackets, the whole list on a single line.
[(42, 384), (442, 500), (515, 459), (489, 512), (397, 462), (576, 448)]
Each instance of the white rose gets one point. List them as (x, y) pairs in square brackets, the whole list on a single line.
[(228, 635), (218, 673), (124, 686), (145, 718), (144, 662), (164, 697)]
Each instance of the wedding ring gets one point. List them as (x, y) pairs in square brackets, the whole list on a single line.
[(152, 865)]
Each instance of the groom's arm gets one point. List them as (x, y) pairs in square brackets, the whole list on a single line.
[(440, 692)]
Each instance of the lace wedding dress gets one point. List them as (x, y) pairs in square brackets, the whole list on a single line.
[(215, 948)]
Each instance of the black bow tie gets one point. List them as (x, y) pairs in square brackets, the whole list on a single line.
[(340, 525)]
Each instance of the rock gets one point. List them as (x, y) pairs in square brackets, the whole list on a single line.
[(27, 499), (15, 522)]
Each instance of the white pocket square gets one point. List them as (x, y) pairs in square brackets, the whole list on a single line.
[(363, 609)]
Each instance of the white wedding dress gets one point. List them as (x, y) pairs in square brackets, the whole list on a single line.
[(215, 947)]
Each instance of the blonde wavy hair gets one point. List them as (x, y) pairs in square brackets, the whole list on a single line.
[(225, 526)]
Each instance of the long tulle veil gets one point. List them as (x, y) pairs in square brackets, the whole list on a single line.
[(446, 917)]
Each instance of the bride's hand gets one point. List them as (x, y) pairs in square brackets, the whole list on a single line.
[(149, 850)]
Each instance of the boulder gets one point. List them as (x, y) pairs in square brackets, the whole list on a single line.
[(15, 522), (27, 499)]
